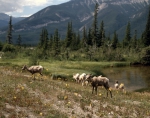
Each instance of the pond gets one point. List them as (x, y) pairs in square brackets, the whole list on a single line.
[(134, 78)]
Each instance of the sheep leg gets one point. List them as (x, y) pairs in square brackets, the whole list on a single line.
[(96, 89), (110, 93), (92, 89), (33, 76), (41, 74)]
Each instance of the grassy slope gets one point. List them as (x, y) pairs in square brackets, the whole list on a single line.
[(20, 96)]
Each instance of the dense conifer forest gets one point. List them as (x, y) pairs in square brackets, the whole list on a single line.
[(92, 45)]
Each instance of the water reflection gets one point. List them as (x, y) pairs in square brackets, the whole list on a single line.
[(133, 77)]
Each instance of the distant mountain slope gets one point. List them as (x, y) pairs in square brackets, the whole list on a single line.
[(114, 13), (4, 19)]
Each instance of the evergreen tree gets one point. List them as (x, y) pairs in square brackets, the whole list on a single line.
[(78, 41), (115, 41), (56, 43), (44, 43), (146, 34), (74, 42), (9, 32), (134, 40), (101, 40), (68, 36), (41, 42), (50, 44), (89, 40), (95, 28), (46, 40), (19, 41), (84, 38), (127, 39)]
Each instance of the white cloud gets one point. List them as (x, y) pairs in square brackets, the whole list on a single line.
[(12, 7), (17, 5)]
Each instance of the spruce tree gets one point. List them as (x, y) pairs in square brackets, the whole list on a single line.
[(101, 40), (134, 40), (56, 43), (89, 40), (9, 32), (115, 41), (84, 38), (127, 39), (19, 41), (146, 34), (68, 36), (95, 27)]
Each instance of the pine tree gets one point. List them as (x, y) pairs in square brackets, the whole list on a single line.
[(56, 43), (44, 43), (19, 41), (95, 28), (146, 34), (127, 39), (89, 40), (101, 40), (84, 38), (68, 36), (46, 40), (134, 40), (50, 43), (115, 41), (9, 32)]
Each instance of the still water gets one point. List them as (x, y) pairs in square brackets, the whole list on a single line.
[(134, 78)]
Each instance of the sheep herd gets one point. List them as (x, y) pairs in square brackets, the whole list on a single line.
[(83, 78)]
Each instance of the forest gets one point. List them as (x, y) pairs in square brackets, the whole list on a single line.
[(90, 45)]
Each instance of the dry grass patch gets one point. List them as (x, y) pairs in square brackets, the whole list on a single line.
[(20, 96)]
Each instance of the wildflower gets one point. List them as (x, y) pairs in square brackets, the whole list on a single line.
[(75, 94), (65, 97), (66, 85), (22, 88), (41, 114), (110, 89), (100, 94), (15, 97)]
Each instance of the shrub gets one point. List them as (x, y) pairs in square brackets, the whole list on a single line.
[(8, 48), (33, 60), (145, 56)]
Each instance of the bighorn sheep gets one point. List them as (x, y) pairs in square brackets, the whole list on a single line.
[(121, 86), (34, 69), (116, 85), (76, 77), (87, 77), (100, 81), (82, 78)]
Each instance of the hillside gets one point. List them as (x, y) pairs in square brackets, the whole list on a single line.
[(4, 19), (114, 13), (20, 96)]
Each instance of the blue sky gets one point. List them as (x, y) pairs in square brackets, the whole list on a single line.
[(25, 8)]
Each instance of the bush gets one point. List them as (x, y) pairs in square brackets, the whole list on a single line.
[(9, 48), (145, 56), (33, 60), (9, 55)]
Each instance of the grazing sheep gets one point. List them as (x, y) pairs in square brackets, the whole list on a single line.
[(60, 77), (82, 78), (76, 77), (116, 85), (121, 86), (34, 69), (100, 81), (87, 77)]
